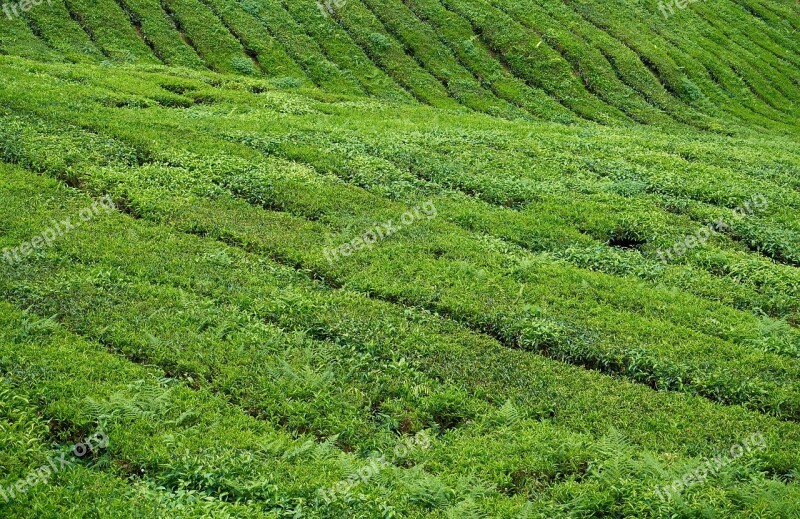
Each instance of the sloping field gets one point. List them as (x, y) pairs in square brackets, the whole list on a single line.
[(384, 258)]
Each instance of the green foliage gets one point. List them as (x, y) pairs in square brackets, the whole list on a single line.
[(530, 330), (160, 33), (212, 41)]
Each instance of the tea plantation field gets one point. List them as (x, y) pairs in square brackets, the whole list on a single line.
[(400, 258)]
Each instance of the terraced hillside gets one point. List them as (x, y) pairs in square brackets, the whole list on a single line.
[(716, 65), (383, 258)]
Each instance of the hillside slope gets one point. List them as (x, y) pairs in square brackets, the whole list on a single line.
[(712, 65), (384, 258)]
